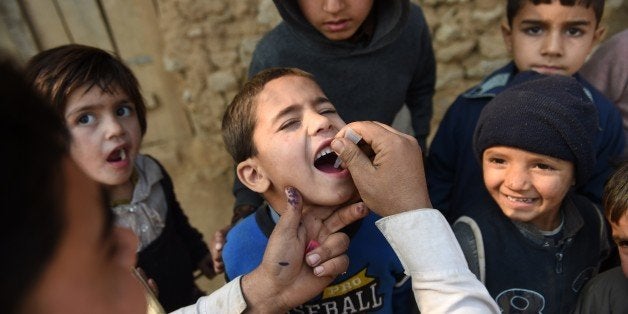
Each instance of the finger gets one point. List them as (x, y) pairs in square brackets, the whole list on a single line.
[(333, 267), (334, 245), (345, 216), (288, 225), (353, 158), (369, 130), (153, 286)]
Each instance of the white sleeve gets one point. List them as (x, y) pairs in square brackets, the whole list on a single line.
[(228, 299), (431, 255)]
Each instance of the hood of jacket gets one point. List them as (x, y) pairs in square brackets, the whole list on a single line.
[(391, 17)]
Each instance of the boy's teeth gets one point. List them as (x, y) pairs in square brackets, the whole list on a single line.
[(122, 154), (520, 199), (323, 152)]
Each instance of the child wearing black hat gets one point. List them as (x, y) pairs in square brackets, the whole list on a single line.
[(531, 240)]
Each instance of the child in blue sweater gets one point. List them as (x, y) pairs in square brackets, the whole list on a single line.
[(529, 237), (278, 129), (546, 36), (100, 102), (370, 57)]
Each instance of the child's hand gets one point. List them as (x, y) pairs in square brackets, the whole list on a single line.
[(152, 285), (216, 243), (206, 266)]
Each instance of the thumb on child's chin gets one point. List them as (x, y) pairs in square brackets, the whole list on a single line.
[(294, 204)]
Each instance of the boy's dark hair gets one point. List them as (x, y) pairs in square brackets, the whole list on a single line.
[(58, 72), (513, 7), (615, 199), (34, 141), (238, 122)]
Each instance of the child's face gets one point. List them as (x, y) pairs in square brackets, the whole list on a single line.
[(295, 126), (528, 187), (106, 133), (336, 19), (551, 38), (620, 236), (90, 271)]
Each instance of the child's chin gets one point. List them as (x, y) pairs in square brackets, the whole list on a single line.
[(341, 199)]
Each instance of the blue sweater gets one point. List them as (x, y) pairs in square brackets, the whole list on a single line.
[(454, 175), (375, 281)]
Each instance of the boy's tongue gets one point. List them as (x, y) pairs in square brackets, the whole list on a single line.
[(117, 155), (326, 163)]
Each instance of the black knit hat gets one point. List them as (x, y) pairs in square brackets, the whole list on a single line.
[(548, 115)]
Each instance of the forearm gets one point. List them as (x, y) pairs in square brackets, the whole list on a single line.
[(228, 299), (430, 254)]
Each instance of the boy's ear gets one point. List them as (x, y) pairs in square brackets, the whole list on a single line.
[(507, 35), (250, 173), (599, 34)]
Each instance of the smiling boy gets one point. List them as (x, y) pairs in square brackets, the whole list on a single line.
[(278, 129), (546, 36), (531, 240)]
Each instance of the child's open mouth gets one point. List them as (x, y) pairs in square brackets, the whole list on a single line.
[(117, 155), (325, 161)]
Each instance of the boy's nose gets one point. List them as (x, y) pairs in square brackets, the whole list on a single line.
[(333, 6), (517, 180), (552, 44), (114, 128), (319, 123)]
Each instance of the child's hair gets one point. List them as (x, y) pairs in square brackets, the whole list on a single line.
[(513, 7), (615, 199), (547, 115), (56, 73), (238, 122)]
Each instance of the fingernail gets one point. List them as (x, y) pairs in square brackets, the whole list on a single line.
[(313, 259), (311, 245), (338, 146), (318, 270), (360, 208), (218, 246), (292, 195)]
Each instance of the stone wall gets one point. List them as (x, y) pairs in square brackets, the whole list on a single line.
[(208, 45)]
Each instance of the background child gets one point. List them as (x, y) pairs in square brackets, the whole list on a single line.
[(369, 57), (534, 243), (278, 130), (606, 293), (99, 99), (546, 36), (607, 70)]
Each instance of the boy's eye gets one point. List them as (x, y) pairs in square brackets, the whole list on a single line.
[(292, 123), (124, 111), (495, 160), (327, 111), (85, 119), (544, 166), (533, 30), (574, 31)]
